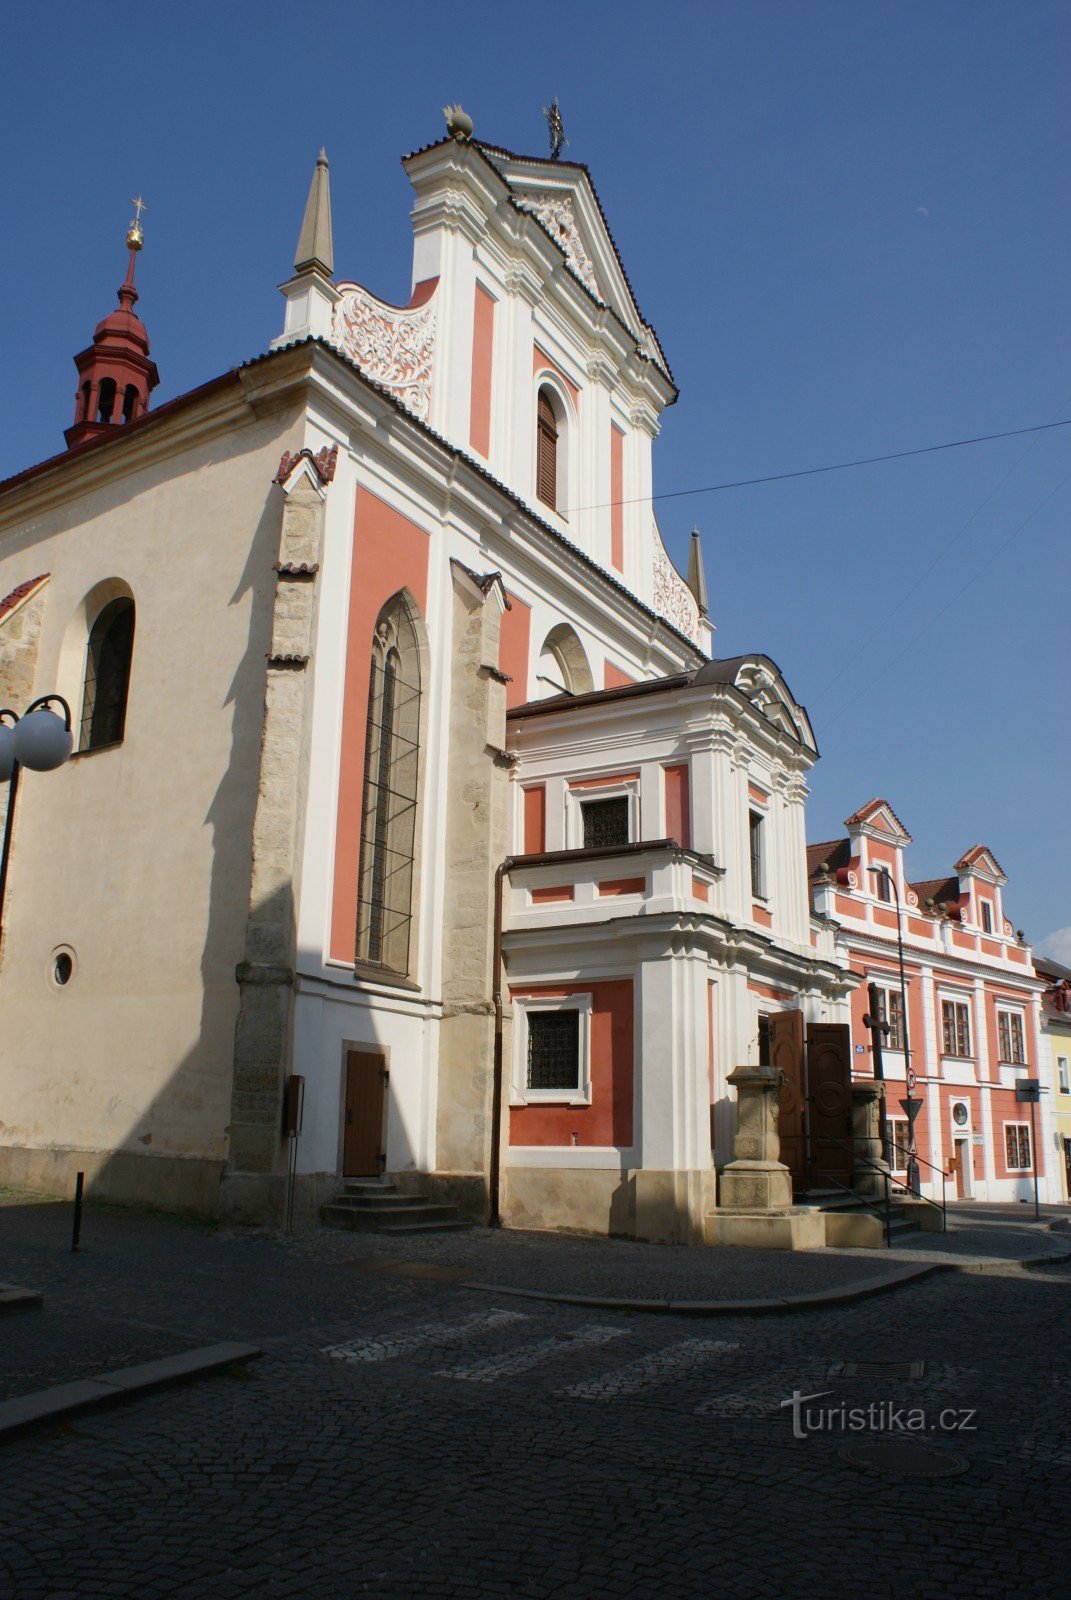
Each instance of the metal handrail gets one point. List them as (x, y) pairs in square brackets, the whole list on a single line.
[(884, 1210), (891, 1144), (887, 1183)]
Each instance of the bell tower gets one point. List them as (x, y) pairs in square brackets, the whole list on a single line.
[(115, 374)]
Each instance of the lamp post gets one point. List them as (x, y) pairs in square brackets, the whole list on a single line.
[(39, 740), (911, 1105)]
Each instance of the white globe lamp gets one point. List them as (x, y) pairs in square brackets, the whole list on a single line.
[(42, 741)]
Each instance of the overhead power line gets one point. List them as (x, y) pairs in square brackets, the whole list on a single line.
[(835, 466)]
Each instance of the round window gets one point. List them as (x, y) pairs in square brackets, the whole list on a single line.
[(960, 1115), (62, 967)]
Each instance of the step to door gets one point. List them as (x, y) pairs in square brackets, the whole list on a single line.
[(414, 1214)]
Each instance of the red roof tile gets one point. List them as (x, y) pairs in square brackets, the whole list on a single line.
[(20, 593)]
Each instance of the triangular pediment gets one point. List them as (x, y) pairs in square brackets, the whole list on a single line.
[(562, 197), (982, 861), (878, 817)]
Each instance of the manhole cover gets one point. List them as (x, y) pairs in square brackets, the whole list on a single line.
[(903, 1458), (878, 1369)]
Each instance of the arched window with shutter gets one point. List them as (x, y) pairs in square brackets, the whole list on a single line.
[(547, 442), (107, 675), (391, 773)]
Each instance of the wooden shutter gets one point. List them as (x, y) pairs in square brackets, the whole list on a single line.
[(546, 452)]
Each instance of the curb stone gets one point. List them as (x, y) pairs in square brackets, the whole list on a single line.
[(108, 1388), (12, 1298), (780, 1306)]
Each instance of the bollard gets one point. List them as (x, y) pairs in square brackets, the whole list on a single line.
[(79, 1185)]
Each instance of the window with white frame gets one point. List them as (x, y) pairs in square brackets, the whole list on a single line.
[(884, 884), (1062, 1072), (1010, 1036), (892, 1009), (896, 1135), (603, 814), (757, 838), (987, 916), (552, 1045), (955, 1028), (1017, 1146)]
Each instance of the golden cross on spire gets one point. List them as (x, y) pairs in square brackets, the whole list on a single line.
[(135, 238)]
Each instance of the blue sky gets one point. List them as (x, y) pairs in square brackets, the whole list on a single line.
[(847, 220)]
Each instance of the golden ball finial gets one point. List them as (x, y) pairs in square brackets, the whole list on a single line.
[(135, 238)]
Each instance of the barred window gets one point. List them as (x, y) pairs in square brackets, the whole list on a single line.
[(388, 824), (756, 829), (1017, 1146), (605, 822), (1010, 1035), (107, 676), (553, 1050), (956, 1028)]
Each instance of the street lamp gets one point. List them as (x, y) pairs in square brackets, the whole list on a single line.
[(40, 740), (911, 1105)]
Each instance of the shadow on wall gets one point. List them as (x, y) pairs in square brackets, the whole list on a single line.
[(148, 1167)]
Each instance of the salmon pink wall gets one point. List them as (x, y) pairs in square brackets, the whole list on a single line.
[(678, 805), (483, 338), (541, 361), (617, 498), (535, 819), (763, 917), (389, 553), (513, 645), (608, 1119), (613, 677)]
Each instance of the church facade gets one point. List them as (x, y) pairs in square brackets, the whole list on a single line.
[(402, 763)]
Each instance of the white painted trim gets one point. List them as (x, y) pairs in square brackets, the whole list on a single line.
[(602, 1157), (520, 1094)]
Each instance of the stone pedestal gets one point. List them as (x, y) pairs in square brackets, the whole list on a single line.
[(870, 1163), (755, 1179)]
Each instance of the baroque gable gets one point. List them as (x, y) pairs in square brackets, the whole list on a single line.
[(393, 345)]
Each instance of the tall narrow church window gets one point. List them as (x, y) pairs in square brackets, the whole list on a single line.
[(546, 451), (388, 824), (107, 677)]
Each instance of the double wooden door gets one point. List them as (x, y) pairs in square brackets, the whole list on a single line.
[(814, 1120)]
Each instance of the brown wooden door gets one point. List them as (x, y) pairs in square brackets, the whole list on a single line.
[(962, 1155), (829, 1100), (786, 1052), (363, 1155)]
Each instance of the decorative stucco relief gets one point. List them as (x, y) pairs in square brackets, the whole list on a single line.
[(555, 212), (672, 597), (392, 344)]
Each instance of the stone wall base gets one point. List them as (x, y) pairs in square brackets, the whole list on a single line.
[(671, 1206), (253, 1199), (123, 1177), (589, 1199), (859, 1230), (795, 1229)]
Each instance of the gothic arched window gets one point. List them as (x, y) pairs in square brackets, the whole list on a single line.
[(391, 771), (107, 675)]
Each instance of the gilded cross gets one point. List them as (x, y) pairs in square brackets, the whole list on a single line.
[(139, 206)]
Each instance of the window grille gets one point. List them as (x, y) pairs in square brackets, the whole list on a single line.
[(388, 824), (107, 679), (605, 822), (554, 1050)]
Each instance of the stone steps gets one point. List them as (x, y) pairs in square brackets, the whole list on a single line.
[(376, 1206)]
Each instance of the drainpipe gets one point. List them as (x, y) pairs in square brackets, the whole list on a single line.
[(494, 1217)]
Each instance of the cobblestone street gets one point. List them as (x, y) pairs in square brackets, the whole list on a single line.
[(402, 1435)]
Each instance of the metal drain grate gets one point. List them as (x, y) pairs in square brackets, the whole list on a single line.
[(878, 1369), (902, 1458)]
